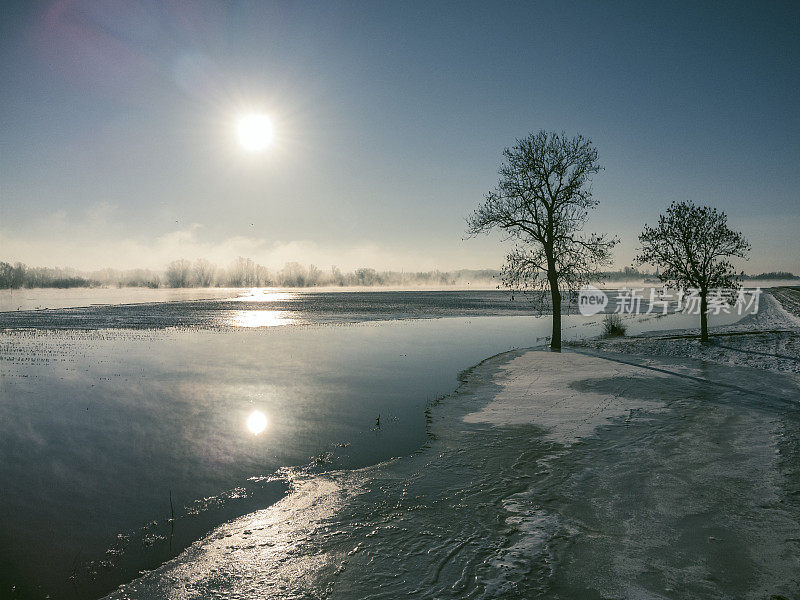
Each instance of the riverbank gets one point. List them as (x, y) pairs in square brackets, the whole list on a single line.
[(767, 340)]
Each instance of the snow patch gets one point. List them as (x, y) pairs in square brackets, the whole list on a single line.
[(542, 388)]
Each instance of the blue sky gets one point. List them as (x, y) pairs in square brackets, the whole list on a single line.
[(118, 121)]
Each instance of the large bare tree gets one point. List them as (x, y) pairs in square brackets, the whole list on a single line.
[(542, 202), (692, 246)]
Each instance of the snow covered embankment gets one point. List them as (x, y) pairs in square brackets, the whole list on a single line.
[(768, 340)]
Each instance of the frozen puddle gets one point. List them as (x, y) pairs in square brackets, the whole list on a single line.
[(546, 475)]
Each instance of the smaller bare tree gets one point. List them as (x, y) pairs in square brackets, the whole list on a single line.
[(178, 273), (692, 246), (203, 273)]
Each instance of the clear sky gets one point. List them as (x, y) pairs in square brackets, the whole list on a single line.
[(118, 124)]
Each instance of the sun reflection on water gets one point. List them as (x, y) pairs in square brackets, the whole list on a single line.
[(265, 295), (256, 422), (260, 318)]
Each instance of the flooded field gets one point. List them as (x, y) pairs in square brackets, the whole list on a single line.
[(127, 430)]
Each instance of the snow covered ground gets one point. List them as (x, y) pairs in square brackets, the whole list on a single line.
[(768, 339)]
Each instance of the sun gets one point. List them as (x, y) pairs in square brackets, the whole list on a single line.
[(255, 132)]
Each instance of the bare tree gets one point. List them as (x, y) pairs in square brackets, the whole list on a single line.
[(203, 272), (242, 273), (364, 276), (542, 202), (314, 275), (293, 274), (692, 244), (337, 278), (6, 275), (178, 273)]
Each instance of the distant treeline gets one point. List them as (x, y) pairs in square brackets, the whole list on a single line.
[(244, 272), (773, 275), (19, 275), (629, 273)]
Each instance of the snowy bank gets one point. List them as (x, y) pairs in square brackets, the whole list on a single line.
[(768, 340)]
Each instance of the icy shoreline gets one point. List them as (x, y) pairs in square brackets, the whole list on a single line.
[(548, 475)]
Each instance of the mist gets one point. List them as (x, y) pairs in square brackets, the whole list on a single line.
[(91, 247)]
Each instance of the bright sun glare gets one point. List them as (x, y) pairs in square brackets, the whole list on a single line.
[(254, 132), (256, 422)]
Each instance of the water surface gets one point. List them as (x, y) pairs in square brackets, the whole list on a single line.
[(115, 417), (100, 427)]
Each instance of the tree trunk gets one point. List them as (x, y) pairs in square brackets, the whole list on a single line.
[(703, 317), (555, 340)]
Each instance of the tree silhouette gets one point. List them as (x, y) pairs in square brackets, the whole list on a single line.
[(691, 245), (203, 273), (178, 273), (542, 202)]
